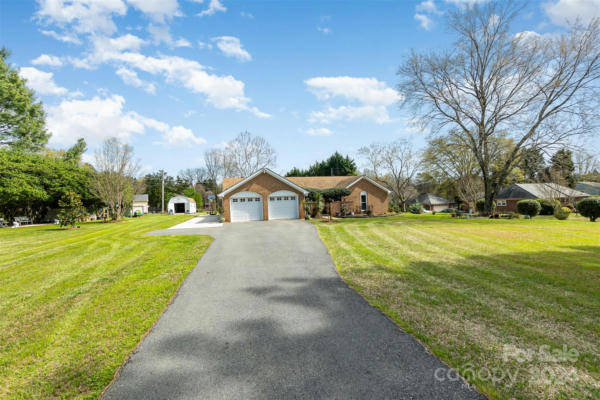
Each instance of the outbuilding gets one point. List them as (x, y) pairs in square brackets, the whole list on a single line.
[(139, 203), (181, 205)]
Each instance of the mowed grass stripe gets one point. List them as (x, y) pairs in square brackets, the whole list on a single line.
[(75, 309), (468, 287)]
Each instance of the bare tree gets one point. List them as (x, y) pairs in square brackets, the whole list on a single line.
[(115, 173), (372, 159), (585, 163), (247, 154), (541, 90), (193, 175), (396, 164)]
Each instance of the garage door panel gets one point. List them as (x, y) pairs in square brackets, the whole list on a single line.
[(246, 206), (283, 205)]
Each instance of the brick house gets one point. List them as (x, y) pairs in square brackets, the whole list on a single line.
[(430, 202), (266, 195), (507, 199)]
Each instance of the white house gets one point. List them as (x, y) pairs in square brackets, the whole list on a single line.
[(139, 203), (181, 205)]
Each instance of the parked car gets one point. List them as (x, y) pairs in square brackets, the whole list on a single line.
[(448, 210)]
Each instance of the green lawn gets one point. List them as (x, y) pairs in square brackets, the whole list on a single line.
[(74, 303), (486, 295)]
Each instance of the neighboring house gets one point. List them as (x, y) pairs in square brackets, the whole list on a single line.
[(266, 195), (181, 205), (507, 199), (140, 203), (591, 188), (430, 201)]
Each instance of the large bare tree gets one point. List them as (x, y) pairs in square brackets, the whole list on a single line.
[(193, 175), (247, 154), (541, 90), (115, 173), (396, 164)]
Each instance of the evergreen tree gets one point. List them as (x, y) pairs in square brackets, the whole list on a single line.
[(336, 165), (562, 165), (532, 163), (22, 119), (71, 209)]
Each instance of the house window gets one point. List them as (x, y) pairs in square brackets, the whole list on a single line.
[(278, 198), (363, 201), (257, 199), (234, 200), (272, 198), (250, 199), (292, 197), (286, 198), (501, 203), (242, 200)]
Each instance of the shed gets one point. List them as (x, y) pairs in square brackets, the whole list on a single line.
[(181, 205), (140, 203)]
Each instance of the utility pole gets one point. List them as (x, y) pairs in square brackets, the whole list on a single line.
[(162, 192)]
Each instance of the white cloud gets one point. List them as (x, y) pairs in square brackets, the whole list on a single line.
[(41, 82), (45, 59), (247, 15), (131, 78), (425, 22), (101, 117), (378, 114), (67, 38), (157, 10), (204, 45), (162, 34), (326, 31), (427, 6), (94, 120), (231, 46), (85, 16), (562, 12), (181, 42), (213, 7), (365, 90), (319, 131), (372, 95), (466, 2)]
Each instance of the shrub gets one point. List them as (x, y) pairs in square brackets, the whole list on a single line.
[(548, 206), (562, 213), (71, 209), (529, 207), (480, 205), (416, 208), (590, 208)]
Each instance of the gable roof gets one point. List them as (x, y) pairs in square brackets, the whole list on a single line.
[(240, 181), (140, 197), (538, 191), (429, 199), (592, 188), (322, 182)]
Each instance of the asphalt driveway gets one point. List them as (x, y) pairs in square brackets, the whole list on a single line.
[(264, 315)]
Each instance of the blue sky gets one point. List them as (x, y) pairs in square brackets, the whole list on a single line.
[(177, 77)]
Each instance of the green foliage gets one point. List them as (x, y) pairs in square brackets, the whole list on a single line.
[(562, 164), (589, 208), (335, 165), (480, 205), (71, 209), (173, 187), (562, 213), (190, 192), (415, 208), (548, 206), (74, 153), (532, 163), (334, 194), (22, 119), (529, 207), (31, 184)]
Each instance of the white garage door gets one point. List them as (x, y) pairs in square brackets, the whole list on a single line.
[(246, 206), (283, 205)]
